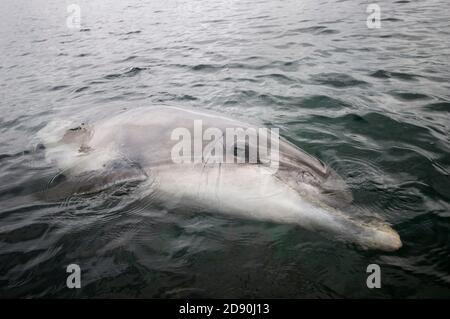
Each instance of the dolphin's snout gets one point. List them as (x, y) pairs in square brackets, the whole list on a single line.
[(381, 237)]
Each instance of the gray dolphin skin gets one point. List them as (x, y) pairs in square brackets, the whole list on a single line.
[(136, 146)]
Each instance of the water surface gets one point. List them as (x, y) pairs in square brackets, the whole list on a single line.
[(372, 103)]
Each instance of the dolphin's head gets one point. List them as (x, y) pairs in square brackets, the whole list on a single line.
[(323, 199)]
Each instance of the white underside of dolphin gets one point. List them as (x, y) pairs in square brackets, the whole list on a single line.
[(136, 146)]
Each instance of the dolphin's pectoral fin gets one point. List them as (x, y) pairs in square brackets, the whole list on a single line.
[(112, 173)]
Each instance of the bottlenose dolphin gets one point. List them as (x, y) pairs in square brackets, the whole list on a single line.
[(136, 146)]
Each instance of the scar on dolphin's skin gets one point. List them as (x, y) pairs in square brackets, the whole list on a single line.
[(79, 135)]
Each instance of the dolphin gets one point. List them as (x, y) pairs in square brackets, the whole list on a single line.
[(137, 145)]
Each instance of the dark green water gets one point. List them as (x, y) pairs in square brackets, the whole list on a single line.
[(372, 103)]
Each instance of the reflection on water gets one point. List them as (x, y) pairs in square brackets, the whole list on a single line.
[(372, 103)]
